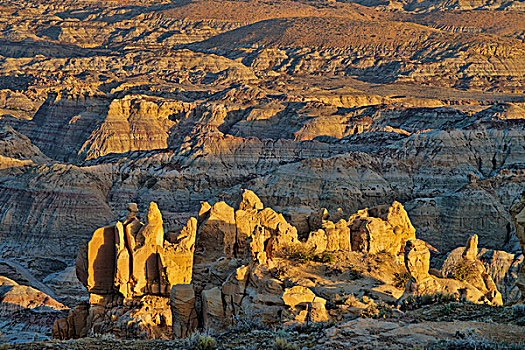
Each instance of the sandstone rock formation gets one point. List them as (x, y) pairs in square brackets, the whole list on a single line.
[(489, 271), (311, 104), (182, 302), (128, 269), (248, 230), (276, 278), (476, 273), (417, 261), (382, 228), (375, 127)]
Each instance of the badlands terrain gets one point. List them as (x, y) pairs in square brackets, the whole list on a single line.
[(320, 109)]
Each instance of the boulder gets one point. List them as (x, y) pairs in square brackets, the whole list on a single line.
[(212, 308), (303, 305), (216, 235)]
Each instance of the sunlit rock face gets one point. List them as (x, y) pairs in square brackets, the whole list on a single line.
[(339, 105), (134, 270), (128, 269)]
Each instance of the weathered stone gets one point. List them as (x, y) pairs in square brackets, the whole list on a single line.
[(517, 211), (297, 295), (382, 228), (182, 301), (212, 308), (143, 266), (250, 201), (216, 235), (101, 260), (81, 266), (470, 269), (417, 262)]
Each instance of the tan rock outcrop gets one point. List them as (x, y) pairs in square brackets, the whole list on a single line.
[(212, 308), (331, 237), (182, 302), (303, 305), (141, 266), (417, 262), (216, 234), (471, 270), (224, 231), (382, 228)]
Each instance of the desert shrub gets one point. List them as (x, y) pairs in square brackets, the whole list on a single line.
[(401, 279), (205, 342), (463, 271), (327, 258), (198, 341), (415, 302), (379, 310), (283, 344), (298, 252)]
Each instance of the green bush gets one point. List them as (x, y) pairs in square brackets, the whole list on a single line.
[(299, 252), (201, 342), (401, 279), (464, 271), (327, 258)]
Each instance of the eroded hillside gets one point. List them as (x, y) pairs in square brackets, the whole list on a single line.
[(312, 104)]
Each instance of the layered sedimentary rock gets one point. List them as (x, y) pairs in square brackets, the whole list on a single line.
[(311, 105), (225, 231), (26, 313), (518, 215), (128, 269), (276, 278)]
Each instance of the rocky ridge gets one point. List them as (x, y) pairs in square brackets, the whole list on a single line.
[(251, 265)]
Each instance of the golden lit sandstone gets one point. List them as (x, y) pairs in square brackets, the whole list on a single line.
[(518, 216), (417, 262), (129, 269), (224, 231), (381, 228), (473, 272), (15, 297), (303, 305)]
